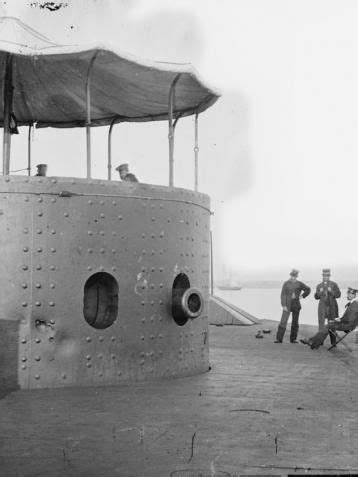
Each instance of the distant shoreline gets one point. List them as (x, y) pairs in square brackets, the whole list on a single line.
[(276, 284)]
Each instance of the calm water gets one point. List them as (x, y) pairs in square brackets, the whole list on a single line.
[(264, 303)]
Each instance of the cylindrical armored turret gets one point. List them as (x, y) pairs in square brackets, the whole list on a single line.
[(102, 282)]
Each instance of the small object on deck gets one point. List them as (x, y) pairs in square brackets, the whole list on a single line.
[(259, 334), (266, 331)]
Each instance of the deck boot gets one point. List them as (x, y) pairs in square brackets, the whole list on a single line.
[(280, 333), (293, 335)]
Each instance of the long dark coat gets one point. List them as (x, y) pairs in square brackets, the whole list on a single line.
[(327, 306)]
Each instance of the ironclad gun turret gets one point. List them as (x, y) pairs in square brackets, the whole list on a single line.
[(101, 281)]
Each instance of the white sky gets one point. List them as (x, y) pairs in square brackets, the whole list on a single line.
[(278, 152)]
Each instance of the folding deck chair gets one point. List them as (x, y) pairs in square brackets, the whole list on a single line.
[(340, 338)]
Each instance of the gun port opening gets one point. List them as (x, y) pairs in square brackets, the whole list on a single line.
[(180, 285), (187, 302), (100, 300)]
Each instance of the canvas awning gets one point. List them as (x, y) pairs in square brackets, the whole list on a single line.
[(49, 84), (45, 84)]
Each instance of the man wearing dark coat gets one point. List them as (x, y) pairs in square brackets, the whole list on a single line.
[(290, 301), (327, 293), (124, 173), (348, 322)]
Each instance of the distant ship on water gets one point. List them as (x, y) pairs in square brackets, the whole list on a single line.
[(229, 285), (228, 281)]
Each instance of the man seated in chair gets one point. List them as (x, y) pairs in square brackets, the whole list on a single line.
[(347, 323)]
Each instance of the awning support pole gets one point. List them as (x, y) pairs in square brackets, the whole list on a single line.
[(88, 145), (110, 150), (29, 151), (88, 115), (8, 96), (171, 130), (196, 153)]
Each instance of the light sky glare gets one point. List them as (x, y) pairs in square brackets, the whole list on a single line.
[(278, 151)]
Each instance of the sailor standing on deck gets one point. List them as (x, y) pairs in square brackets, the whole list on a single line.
[(124, 173), (290, 301), (327, 293)]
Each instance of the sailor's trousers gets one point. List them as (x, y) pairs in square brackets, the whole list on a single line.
[(321, 335), (283, 324)]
